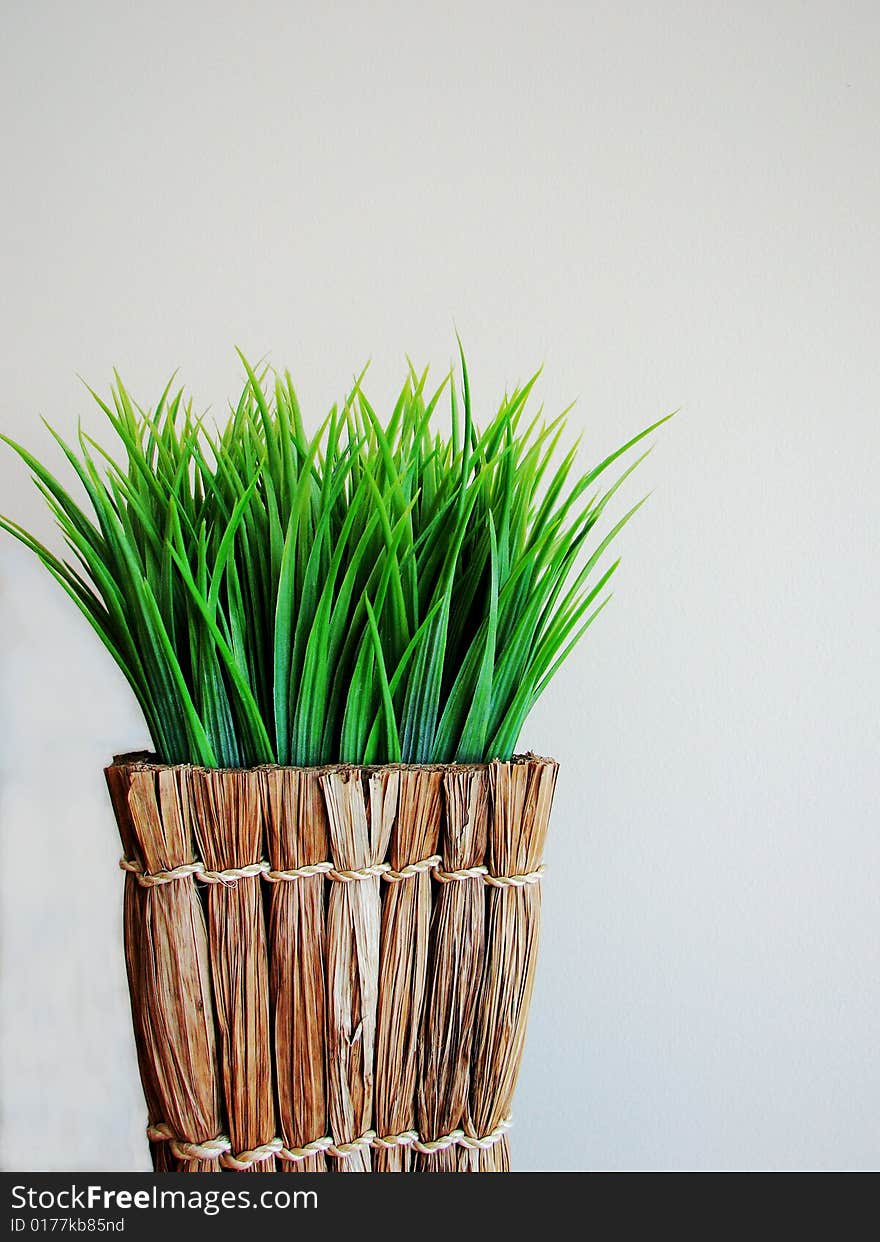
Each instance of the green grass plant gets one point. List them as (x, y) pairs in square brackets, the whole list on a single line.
[(377, 591)]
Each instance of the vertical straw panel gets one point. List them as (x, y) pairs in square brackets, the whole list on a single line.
[(521, 797), (406, 925), (133, 911), (457, 945), (297, 836), (359, 836), (229, 831), (167, 961)]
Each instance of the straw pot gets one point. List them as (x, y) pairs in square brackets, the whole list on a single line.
[(330, 968)]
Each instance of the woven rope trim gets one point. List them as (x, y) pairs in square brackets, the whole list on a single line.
[(495, 881), (384, 870), (220, 1148)]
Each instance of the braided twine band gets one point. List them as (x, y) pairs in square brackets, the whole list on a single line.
[(384, 870), (220, 1148)]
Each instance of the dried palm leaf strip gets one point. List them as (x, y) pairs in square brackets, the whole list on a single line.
[(132, 923), (361, 812), (457, 943), (521, 798), (297, 836), (167, 960), (403, 958), (228, 826)]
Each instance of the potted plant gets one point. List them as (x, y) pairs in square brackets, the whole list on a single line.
[(333, 857)]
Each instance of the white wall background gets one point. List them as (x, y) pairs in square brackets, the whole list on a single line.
[(670, 205)]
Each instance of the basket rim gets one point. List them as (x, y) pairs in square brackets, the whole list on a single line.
[(147, 761)]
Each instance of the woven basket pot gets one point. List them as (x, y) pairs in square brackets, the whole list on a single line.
[(330, 968)]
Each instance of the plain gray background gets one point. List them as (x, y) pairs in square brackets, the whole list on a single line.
[(669, 205)]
